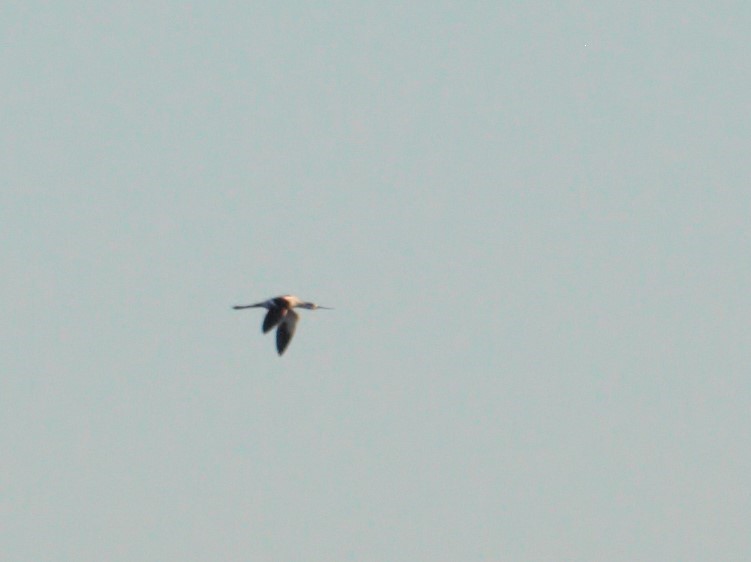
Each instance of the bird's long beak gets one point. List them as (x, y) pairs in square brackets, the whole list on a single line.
[(325, 307)]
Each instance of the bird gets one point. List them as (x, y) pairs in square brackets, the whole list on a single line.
[(280, 313)]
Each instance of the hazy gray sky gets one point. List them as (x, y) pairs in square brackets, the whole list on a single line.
[(532, 219)]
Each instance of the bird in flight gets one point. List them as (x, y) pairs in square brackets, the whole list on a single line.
[(280, 313)]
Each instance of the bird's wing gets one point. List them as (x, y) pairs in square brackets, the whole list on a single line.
[(286, 330), (273, 317)]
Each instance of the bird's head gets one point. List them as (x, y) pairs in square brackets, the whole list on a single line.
[(314, 306)]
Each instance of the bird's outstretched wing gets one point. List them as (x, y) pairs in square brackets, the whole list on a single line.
[(273, 317), (286, 330)]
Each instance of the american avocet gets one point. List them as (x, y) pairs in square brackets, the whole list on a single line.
[(280, 314)]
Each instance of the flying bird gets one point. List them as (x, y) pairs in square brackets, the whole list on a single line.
[(280, 313)]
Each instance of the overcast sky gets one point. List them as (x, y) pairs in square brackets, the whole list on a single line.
[(532, 219)]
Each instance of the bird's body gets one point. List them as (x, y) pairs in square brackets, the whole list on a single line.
[(282, 316)]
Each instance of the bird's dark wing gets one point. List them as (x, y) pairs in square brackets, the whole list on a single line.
[(285, 331), (273, 317)]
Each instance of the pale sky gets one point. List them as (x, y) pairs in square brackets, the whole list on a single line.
[(532, 219)]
